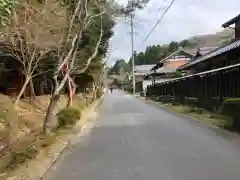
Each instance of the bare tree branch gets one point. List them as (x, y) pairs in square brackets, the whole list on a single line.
[(89, 60), (43, 72)]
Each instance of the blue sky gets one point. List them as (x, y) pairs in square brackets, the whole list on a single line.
[(185, 18)]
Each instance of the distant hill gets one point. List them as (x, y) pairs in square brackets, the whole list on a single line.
[(211, 40), (155, 53)]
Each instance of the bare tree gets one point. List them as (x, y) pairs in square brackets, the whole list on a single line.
[(67, 59), (29, 39), (79, 21)]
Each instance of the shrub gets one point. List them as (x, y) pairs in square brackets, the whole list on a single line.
[(199, 111), (189, 109), (99, 93), (68, 116), (227, 123), (22, 155), (175, 103)]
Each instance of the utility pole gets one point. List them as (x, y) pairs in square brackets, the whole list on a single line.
[(121, 72), (133, 65)]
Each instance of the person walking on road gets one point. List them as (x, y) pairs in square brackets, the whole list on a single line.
[(111, 89)]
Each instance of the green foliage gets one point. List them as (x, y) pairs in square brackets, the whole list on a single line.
[(152, 55), (99, 93), (186, 43), (90, 39), (22, 155), (68, 116), (155, 53), (6, 11), (179, 73), (120, 64), (84, 80), (131, 6)]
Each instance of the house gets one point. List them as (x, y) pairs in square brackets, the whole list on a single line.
[(166, 68), (140, 73), (236, 22), (12, 79), (203, 51), (225, 55)]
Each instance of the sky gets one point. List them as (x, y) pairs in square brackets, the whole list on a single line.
[(186, 18)]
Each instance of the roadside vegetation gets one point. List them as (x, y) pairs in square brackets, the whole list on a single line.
[(51, 68), (226, 116), (152, 55), (29, 139)]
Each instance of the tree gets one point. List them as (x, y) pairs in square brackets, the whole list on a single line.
[(60, 39), (153, 54), (173, 46), (28, 38), (79, 21), (185, 43), (118, 65), (131, 6)]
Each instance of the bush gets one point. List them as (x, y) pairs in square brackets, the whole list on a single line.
[(189, 110), (99, 93), (22, 155), (68, 116), (227, 123)]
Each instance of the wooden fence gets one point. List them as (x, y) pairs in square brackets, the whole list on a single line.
[(217, 83)]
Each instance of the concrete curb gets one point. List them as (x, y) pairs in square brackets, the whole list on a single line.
[(62, 150)]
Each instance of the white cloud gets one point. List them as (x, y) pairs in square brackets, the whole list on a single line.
[(186, 18)]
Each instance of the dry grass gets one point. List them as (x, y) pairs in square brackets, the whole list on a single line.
[(200, 114), (28, 115), (42, 23)]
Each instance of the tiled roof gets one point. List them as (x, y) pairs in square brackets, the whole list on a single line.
[(204, 50), (176, 55), (207, 72), (137, 73), (144, 67), (176, 63), (214, 53), (166, 70), (142, 70)]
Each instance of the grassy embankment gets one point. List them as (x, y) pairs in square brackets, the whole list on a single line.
[(20, 128), (228, 118)]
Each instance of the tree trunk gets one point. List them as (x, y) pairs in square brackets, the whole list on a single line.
[(50, 112), (41, 88), (94, 93), (32, 91), (74, 89), (27, 79), (70, 93), (74, 86), (53, 102)]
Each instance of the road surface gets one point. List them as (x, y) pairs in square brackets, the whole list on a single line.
[(134, 140)]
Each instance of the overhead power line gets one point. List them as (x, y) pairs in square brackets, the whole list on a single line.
[(157, 23)]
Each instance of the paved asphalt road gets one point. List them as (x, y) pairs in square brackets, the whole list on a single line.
[(133, 140)]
